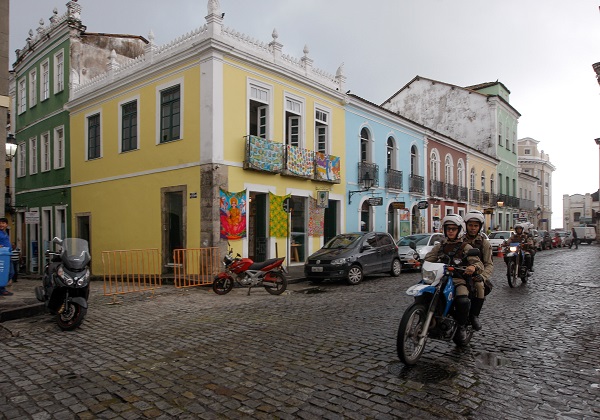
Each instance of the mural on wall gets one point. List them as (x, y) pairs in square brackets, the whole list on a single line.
[(232, 214), (263, 155), (327, 167), (278, 218)]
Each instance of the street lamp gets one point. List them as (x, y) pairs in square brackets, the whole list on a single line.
[(11, 147), (367, 185)]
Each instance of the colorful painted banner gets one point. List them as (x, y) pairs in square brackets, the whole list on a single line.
[(278, 218), (316, 218), (233, 214), (300, 161), (264, 155), (327, 167)]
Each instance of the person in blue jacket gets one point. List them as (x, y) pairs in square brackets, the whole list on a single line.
[(5, 243)]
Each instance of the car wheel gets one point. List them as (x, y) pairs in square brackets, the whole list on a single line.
[(396, 268), (355, 275)]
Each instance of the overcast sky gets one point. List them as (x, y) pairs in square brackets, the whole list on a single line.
[(541, 50)]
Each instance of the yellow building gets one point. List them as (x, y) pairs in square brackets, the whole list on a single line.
[(158, 143), (481, 170)]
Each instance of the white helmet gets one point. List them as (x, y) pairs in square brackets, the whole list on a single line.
[(453, 219), (522, 226), (477, 216)]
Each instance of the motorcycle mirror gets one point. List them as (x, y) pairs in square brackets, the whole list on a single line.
[(473, 252), (412, 245)]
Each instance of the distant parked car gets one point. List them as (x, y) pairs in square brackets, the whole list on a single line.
[(406, 253), (567, 240), (351, 256), (497, 238), (556, 240), (426, 241)]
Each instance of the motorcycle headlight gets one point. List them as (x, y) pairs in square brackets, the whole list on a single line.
[(513, 249), (83, 279), (429, 276), (340, 261)]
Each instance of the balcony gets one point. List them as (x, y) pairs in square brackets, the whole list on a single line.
[(393, 179), (436, 188), (277, 158), (416, 184), (370, 171)]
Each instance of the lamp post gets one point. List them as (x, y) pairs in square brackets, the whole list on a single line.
[(367, 182), (11, 147)]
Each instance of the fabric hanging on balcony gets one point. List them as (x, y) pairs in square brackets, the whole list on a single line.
[(264, 155), (277, 216), (232, 211), (300, 161), (327, 167), (316, 218)]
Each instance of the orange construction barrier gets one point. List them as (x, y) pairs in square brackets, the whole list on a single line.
[(196, 266), (131, 271)]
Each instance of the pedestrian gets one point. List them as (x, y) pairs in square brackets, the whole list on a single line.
[(15, 260), (574, 240), (5, 242)]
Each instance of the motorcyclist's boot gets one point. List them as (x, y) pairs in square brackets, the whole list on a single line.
[(461, 315), (476, 305)]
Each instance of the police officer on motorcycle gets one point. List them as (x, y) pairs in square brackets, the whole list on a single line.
[(453, 248), (521, 235), (475, 222)]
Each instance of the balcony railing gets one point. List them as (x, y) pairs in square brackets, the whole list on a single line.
[(436, 188), (463, 194), (277, 158), (416, 184), (393, 179), (370, 171)]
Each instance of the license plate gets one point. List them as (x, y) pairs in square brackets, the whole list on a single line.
[(317, 269)]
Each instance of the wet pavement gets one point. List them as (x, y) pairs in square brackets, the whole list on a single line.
[(313, 352)]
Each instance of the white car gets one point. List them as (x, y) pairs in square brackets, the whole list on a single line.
[(497, 238), (424, 242)]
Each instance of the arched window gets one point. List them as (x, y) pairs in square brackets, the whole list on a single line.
[(365, 140), (492, 183), (460, 173), (391, 153), (482, 180), (472, 181), (414, 162), (435, 166), (449, 170)]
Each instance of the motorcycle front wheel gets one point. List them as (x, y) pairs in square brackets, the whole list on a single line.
[(512, 272), (71, 317), (407, 341), (222, 285), (276, 282)]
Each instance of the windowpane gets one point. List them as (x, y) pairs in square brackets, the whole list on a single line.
[(94, 136), (170, 114), (129, 127)]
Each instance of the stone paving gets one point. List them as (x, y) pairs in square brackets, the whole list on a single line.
[(313, 353)]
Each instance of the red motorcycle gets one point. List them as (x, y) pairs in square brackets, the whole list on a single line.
[(245, 272)]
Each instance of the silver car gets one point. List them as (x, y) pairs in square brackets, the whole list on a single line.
[(423, 242)]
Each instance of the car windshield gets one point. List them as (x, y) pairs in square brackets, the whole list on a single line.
[(499, 235), (417, 239), (343, 241)]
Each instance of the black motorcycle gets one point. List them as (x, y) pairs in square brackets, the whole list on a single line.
[(66, 283)]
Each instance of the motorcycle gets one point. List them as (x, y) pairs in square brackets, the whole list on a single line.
[(270, 274), (514, 257), (432, 313), (65, 283)]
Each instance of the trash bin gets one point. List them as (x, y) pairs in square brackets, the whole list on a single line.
[(4, 265)]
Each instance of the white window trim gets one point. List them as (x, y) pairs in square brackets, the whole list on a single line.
[(158, 91), (135, 98), (86, 135), (22, 159), (59, 153), (269, 88), (449, 169), (302, 115), (325, 110), (33, 156), (395, 162), (46, 62), (59, 84), (460, 173), (22, 92), (32, 91), (44, 167), (435, 175)]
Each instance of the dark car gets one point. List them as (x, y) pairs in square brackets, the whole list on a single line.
[(351, 256)]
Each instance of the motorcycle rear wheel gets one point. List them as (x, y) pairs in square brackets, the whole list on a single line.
[(222, 286), (279, 280), (71, 317), (407, 341), (512, 274)]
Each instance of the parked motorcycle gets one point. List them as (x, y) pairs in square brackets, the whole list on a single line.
[(270, 274), (65, 283), (514, 257), (432, 313)]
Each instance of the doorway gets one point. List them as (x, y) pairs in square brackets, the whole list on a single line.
[(173, 223), (257, 227), (330, 221)]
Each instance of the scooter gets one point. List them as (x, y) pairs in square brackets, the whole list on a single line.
[(432, 315), (66, 282), (514, 257), (270, 274)]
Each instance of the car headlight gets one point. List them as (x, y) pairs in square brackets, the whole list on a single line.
[(340, 261)]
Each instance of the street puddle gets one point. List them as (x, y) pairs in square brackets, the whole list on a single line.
[(423, 372), (490, 360)]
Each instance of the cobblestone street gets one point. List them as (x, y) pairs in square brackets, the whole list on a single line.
[(314, 353)]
